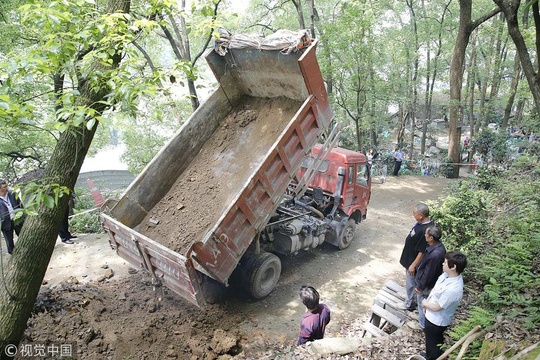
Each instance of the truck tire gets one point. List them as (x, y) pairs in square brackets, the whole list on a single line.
[(347, 235), (263, 275)]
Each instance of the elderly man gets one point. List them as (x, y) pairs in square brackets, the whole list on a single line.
[(9, 203)]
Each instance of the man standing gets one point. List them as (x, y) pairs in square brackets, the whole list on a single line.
[(398, 158), (8, 205), (413, 251), (64, 233), (315, 319), (429, 268), (443, 302)]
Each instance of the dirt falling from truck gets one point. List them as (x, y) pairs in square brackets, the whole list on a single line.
[(216, 175)]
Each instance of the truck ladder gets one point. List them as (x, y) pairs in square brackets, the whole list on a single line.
[(313, 167)]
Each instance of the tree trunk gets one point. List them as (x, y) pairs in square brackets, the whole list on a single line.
[(300, 14), (456, 78), (35, 245), (510, 10), (500, 57), (513, 91)]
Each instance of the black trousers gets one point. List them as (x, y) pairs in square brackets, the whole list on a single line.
[(397, 166), (8, 236), (63, 232), (434, 340)]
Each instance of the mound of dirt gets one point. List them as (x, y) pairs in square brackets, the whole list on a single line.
[(218, 173)]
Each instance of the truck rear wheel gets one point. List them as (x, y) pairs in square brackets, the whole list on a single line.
[(263, 275), (347, 235)]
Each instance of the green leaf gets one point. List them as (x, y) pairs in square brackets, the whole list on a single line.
[(48, 201)]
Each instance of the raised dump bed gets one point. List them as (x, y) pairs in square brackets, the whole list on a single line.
[(198, 205)]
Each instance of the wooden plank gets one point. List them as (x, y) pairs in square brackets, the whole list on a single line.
[(373, 330), (393, 300), (396, 288), (390, 307), (388, 316)]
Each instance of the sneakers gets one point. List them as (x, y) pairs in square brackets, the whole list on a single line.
[(67, 241)]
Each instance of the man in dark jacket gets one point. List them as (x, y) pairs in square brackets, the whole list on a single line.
[(429, 269), (413, 251), (9, 203)]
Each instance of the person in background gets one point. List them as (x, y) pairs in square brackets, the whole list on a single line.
[(315, 319), (9, 203), (413, 251), (370, 157), (429, 269), (64, 233), (442, 303), (398, 157)]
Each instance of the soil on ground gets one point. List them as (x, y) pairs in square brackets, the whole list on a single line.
[(112, 311), (218, 173)]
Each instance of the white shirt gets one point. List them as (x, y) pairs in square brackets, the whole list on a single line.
[(447, 292), (6, 201)]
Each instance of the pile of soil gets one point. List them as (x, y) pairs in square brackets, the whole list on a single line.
[(126, 317), (218, 173)]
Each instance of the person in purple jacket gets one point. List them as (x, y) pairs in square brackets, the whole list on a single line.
[(315, 319)]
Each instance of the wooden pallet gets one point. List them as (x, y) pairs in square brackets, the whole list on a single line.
[(386, 311)]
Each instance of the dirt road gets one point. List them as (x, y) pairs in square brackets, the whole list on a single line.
[(121, 317)]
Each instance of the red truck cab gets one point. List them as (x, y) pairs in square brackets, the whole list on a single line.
[(356, 185)]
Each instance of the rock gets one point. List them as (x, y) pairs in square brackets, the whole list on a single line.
[(109, 273), (89, 336), (105, 266), (329, 346)]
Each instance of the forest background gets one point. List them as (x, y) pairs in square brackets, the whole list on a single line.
[(76, 75)]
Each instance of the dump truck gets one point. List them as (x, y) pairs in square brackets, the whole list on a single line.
[(253, 173)]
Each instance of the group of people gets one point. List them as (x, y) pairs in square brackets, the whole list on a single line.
[(398, 156), (433, 283), (10, 203), (434, 290)]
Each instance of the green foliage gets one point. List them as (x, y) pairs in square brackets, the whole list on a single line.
[(490, 143), (489, 178), (475, 316), (502, 242), (34, 195), (446, 168), (85, 218), (463, 217)]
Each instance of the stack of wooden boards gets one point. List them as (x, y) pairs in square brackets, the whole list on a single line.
[(387, 312)]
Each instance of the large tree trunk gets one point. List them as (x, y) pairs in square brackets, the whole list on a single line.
[(466, 26), (510, 10), (35, 245)]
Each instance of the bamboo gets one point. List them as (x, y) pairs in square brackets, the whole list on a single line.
[(456, 345)]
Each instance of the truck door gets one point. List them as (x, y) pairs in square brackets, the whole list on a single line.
[(348, 187), (361, 187)]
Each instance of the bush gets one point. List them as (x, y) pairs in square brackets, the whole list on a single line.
[(85, 218)]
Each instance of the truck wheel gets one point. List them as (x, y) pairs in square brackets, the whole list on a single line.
[(263, 275), (347, 235)]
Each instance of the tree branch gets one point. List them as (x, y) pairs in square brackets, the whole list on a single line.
[(484, 18), (216, 6)]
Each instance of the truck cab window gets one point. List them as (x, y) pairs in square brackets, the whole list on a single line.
[(351, 175), (322, 167), (362, 175)]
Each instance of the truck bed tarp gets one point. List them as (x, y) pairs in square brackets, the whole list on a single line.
[(286, 41)]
